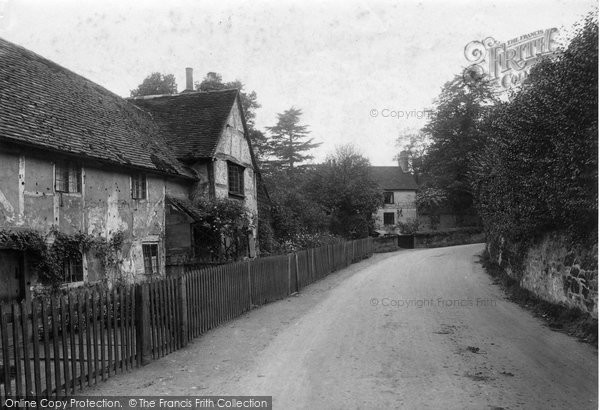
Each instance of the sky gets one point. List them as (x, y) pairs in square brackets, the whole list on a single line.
[(361, 72)]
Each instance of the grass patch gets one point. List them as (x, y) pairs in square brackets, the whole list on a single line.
[(558, 317)]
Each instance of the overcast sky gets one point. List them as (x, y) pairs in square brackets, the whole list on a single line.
[(336, 60)]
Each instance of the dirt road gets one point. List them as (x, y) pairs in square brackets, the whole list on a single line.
[(412, 329)]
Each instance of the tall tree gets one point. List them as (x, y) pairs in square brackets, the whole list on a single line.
[(415, 144), (289, 143), (214, 81), (454, 130), (156, 83)]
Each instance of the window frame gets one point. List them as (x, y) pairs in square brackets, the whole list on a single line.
[(391, 194), (147, 257), (71, 173), (393, 216), (73, 268), (139, 186), (240, 172)]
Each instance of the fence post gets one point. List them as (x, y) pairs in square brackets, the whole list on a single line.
[(142, 324), (249, 284), (312, 261), (297, 273), (289, 259), (183, 311)]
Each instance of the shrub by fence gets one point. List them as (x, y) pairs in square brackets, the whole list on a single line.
[(55, 347)]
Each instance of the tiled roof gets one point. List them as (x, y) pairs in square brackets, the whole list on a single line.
[(45, 105), (195, 120), (392, 178), (186, 206)]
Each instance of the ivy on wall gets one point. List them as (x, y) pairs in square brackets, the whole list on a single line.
[(48, 254)]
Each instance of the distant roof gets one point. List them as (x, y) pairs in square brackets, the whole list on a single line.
[(392, 178), (45, 105), (195, 120)]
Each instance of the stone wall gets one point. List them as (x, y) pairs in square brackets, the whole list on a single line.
[(385, 244), (449, 237), (444, 221), (555, 269)]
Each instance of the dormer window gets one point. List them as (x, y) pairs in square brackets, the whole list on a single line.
[(235, 175), (138, 186)]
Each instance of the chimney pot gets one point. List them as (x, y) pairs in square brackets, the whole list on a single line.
[(189, 79)]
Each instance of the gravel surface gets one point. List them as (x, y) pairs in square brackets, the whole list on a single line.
[(423, 328)]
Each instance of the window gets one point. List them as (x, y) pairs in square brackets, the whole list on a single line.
[(67, 176), (138, 186), (150, 252), (388, 197), (388, 218), (73, 269), (235, 175)]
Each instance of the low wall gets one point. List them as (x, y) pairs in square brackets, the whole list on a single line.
[(555, 269), (449, 237), (445, 221), (385, 244)]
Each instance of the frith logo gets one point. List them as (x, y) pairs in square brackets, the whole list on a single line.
[(508, 64)]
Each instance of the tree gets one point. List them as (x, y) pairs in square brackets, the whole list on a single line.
[(260, 144), (454, 130), (289, 142), (213, 81), (539, 169), (294, 211), (343, 187), (155, 84), (415, 144)]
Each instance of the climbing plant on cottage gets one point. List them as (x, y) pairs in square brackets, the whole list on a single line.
[(223, 230), (51, 255)]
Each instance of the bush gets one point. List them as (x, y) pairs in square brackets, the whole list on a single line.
[(538, 170), (305, 241)]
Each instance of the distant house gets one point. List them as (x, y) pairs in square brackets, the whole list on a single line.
[(399, 191), (74, 157)]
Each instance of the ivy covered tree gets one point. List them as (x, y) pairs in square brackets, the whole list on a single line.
[(155, 84), (289, 143)]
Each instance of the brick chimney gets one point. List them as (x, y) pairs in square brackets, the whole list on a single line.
[(189, 79), (403, 161)]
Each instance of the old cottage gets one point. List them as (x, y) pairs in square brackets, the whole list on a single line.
[(399, 191), (76, 159)]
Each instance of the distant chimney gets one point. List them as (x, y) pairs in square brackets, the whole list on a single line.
[(403, 161), (212, 77), (189, 79)]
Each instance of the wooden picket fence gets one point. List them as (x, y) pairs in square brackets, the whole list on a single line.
[(56, 347)]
